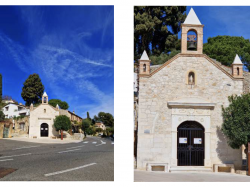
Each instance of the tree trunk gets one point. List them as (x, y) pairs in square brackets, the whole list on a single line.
[(61, 134)]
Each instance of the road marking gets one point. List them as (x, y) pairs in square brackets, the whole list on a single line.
[(103, 142), (67, 170), (112, 143), (5, 160), (85, 142), (99, 144), (69, 150), (75, 147), (15, 155), (25, 147), (94, 142)]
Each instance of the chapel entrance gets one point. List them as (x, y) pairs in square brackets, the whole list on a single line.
[(190, 144), (44, 130)]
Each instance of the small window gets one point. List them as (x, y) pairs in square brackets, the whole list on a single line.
[(44, 110), (144, 67), (191, 78), (238, 71), (45, 100)]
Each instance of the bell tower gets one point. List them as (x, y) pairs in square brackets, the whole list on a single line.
[(192, 35), (45, 98), (144, 63), (237, 67)]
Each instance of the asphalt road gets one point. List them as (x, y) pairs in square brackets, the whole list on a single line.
[(89, 160)]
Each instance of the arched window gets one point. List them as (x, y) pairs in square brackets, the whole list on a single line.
[(191, 78), (45, 99), (192, 40), (238, 71), (44, 110), (144, 67)]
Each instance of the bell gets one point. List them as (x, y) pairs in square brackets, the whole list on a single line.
[(191, 46)]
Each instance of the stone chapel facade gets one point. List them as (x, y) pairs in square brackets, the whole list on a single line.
[(180, 113), (41, 121)]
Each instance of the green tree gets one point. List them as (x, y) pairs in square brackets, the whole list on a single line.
[(85, 125), (99, 130), (236, 121), (88, 117), (63, 104), (156, 29), (62, 123), (1, 89), (163, 57), (91, 130), (224, 49), (2, 116), (106, 118), (32, 90)]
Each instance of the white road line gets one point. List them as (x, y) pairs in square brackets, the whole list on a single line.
[(25, 147), (69, 150), (103, 142), (85, 142), (75, 147), (5, 160), (94, 142), (15, 155), (99, 144), (112, 143), (67, 170)]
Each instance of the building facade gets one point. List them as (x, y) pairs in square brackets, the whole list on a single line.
[(180, 106), (12, 110), (42, 119)]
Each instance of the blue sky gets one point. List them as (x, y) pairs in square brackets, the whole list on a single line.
[(70, 47), (223, 20)]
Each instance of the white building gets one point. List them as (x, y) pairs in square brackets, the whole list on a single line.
[(14, 110)]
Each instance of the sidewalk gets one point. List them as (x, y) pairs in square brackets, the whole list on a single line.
[(146, 176), (44, 140)]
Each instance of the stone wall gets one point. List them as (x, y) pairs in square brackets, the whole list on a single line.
[(169, 84), (8, 124)]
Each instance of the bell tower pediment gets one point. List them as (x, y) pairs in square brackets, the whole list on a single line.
[(192, 34)]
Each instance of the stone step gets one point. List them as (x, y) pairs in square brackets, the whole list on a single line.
[(176, 169)]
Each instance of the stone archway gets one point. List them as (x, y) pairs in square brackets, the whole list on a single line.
[(201, 116)]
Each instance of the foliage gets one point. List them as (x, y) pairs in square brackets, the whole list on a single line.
[(17, 118), (2, 116), (99, 130), (236, 121), (156, 29), (91, 130), (109, 131), (85, 125), (106, 118), (224, 49), (63, 104), (88, 117), (32, 90), (164, 57), (62, 123), (1, 88)]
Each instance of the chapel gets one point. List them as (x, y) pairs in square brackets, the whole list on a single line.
[(180, 106)]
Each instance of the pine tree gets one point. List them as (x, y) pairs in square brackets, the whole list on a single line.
[(32, 90), (156, 29)]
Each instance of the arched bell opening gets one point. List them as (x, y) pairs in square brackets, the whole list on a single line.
[(192, 39)]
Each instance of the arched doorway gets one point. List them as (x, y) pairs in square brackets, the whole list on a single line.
[(190, 144), (44, 130)]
